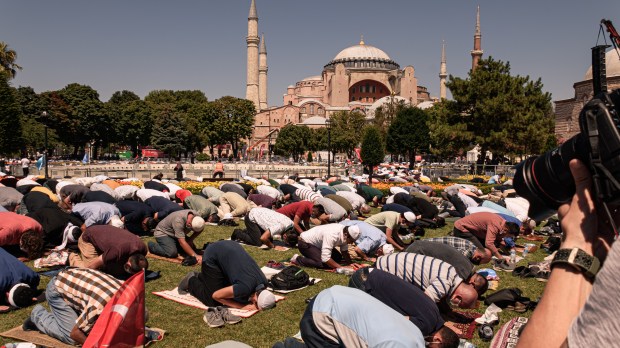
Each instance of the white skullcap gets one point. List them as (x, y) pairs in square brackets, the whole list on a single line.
[(198, 224), (409, 216)]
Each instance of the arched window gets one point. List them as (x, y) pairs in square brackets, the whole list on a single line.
[(311, 109), (303, 110)]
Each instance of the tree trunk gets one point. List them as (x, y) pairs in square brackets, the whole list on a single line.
[(411, 159), (370, 171)]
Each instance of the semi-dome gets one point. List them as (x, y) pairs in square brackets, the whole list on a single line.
[(362, 51), (612, 62)]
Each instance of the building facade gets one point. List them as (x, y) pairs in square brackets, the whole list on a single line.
[(567, 110)]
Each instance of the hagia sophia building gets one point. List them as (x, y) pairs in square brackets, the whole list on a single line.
[(361, 77)]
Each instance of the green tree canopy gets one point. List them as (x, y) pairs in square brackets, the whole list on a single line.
[(502, 113), (235, 120), (32, 121), (408, 134), (293, 140), (132, 119), (372, 151), (169, 132), (346, 131), (10, 114), (7, 61)]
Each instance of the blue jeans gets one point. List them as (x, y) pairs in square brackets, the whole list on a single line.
[(60, 321)]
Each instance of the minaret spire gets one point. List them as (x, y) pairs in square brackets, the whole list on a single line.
[(252, 40), (476, 53), (262, 73), (443, 72)]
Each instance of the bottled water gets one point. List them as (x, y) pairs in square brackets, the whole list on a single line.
[(526, 250), (513, 256), (342, 270)]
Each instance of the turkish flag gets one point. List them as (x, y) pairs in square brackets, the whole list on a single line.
[(121, 323)]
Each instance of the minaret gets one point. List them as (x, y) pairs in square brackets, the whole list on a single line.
[(251, 91), (443, 73), (262, 73), (476, 53)]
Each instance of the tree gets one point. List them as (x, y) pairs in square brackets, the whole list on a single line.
[(372, 151), (169, 133), (10, 113), (235, 120), (448, 131), (293, 140), (346, 130), (32, 121), (206, 125), (7, 61), (386, 113), (131, 118), (408, 133), (86, 113), (500, 112)]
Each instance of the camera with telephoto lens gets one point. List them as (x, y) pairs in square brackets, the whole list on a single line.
[(546, 181)]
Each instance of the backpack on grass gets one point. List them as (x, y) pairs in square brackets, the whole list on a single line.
[(290, 278)]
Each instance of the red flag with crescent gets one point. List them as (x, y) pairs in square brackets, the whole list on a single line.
[(121, 323)]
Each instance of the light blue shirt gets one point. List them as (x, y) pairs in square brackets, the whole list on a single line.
[(370, 237), (360, 320), (95, 213), (499, 208)]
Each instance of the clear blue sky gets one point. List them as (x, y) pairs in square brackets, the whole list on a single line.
[(144, 45)]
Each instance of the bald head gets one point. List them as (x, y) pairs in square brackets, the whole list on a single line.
[(464, 296)]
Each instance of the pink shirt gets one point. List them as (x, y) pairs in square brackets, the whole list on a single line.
[(12, 226), (484, 225)]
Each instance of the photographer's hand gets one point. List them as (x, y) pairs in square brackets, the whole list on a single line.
[(568, 289), (582, 226)]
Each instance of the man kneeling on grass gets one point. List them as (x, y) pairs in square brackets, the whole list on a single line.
[(317, 245), (228, 277)]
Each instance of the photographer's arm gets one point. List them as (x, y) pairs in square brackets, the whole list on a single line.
[(568, 289)]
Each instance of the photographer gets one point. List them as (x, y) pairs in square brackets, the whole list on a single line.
[(567, 314)]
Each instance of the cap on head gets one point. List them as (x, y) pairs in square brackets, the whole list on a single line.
[(198, 224), (354, 232), (20, 295), (266, 300), (409, 216), (387, 249), (227, 216)]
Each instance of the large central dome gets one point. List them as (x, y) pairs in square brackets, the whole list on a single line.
[(363, 56), (362, 51)]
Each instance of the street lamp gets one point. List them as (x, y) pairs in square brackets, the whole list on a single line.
[(328, 125), (44, 114)]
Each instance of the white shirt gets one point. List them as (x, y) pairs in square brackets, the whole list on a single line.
[(518, 206), (25, 162), (326, 237), (125, 191), (269, 191), (356, 200), (395, 189), (468, 201), (145, 194), (270, 220)]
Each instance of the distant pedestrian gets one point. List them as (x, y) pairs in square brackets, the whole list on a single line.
[(219, 169), (179, 170), (25, 162)]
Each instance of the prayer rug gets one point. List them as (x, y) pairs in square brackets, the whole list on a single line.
[(34, 337), (464, 328), (177, 260), (191, 301)]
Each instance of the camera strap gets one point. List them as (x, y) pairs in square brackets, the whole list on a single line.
[(599, 168)]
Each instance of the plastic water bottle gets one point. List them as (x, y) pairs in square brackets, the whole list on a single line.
[(346, 271), (526, 250), (513, 256)]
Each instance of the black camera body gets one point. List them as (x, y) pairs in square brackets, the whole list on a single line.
[(546, 181)]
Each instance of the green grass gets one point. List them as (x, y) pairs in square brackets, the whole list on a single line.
[(185, 327)]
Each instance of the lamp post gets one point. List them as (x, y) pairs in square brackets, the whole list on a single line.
[(269, 147), (44, 114), (138, 154), (328, 124)]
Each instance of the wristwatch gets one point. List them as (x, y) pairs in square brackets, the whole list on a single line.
[(578, 259)]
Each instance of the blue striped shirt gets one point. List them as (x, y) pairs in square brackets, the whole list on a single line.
[(438, 279)]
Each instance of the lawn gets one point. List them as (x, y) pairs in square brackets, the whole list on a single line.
[(185, 327)]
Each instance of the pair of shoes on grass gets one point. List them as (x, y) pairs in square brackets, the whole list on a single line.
[(218, 316), (503, 265)]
